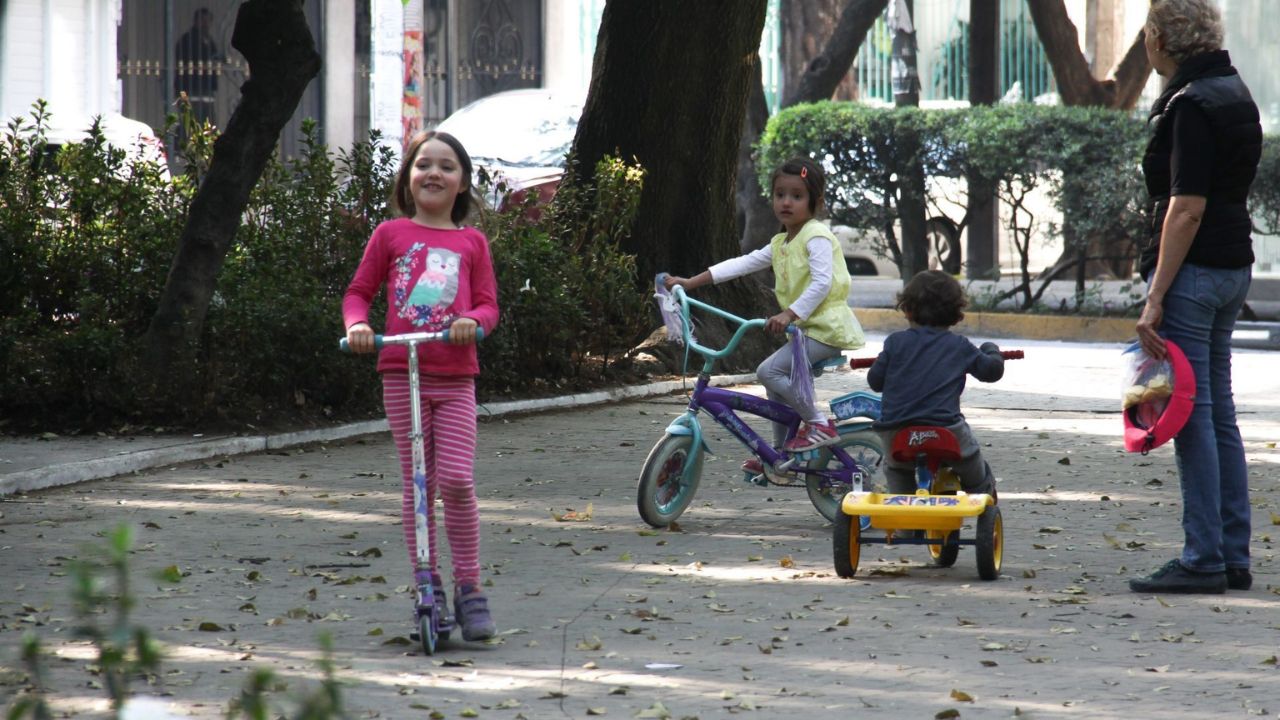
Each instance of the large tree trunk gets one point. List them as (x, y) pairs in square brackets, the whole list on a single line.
[(274, 38), (669, 87)]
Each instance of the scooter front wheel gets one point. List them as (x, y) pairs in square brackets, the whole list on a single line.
[(668, 480), (427, 634)]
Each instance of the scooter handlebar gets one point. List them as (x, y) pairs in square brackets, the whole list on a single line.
[(406, 338)]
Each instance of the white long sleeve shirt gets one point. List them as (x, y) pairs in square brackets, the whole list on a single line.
[(820, 257)]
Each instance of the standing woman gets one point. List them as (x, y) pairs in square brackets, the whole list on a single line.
[(1199, 165)]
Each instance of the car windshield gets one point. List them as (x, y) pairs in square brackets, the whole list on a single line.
[(520, 130)]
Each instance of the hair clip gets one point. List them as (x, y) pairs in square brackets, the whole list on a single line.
[(804, 172)]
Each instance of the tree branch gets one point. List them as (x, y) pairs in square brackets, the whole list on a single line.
[(823, 74)]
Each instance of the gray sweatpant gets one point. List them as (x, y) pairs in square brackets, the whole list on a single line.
[(775, 375), (974, 472)]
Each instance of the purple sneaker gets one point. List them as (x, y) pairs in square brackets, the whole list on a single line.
[(472, 610)]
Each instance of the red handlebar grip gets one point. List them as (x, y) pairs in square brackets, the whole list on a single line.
[(1011, 354)]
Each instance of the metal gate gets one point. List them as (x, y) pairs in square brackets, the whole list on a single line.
[(174, 46)]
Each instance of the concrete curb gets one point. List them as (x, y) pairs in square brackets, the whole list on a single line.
[(186, 451), (1015, 325)]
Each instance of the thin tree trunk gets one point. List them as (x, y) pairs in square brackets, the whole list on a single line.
[(274, 38)]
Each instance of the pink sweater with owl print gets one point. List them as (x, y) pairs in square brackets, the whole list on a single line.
[(433, 277)]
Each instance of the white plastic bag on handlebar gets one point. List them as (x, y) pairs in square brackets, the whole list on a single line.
[(670, 309)]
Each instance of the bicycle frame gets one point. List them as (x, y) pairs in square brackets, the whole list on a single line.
[(723, 405)]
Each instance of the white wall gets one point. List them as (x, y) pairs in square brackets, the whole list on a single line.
[(339, 73), (63, 51)]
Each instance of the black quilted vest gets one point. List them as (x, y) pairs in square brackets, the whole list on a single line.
[(1224, 239)]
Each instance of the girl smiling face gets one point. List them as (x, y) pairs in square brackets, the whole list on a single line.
[(435, 181)]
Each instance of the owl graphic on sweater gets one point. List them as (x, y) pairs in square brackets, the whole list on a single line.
[(435, 290)]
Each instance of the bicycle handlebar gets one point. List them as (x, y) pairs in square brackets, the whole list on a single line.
[(744, 324), (406, 338), (863, 363)]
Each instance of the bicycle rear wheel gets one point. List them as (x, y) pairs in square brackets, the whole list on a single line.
[(668, 480), (864, 447)]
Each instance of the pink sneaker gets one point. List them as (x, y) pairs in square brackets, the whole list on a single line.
[(813, 436), (753, 466)]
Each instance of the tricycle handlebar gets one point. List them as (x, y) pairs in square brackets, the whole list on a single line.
[(863, 363)]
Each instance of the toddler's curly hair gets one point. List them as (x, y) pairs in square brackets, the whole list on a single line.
[(934, 299)]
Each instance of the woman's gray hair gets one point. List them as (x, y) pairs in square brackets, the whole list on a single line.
[(1188, 27)]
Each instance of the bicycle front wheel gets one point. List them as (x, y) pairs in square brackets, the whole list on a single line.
[(668, 480), (864, 447)]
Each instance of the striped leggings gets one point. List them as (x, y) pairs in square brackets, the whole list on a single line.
[(449, 445)]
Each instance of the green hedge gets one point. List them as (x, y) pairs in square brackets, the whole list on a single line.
[(86, 241)]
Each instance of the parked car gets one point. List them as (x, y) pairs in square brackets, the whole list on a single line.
[(519, 138), (862, 257), (136, 139)]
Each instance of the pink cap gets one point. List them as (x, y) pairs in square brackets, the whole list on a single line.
[(1146, 427)]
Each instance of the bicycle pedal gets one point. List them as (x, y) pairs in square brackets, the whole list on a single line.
[(755, 479)]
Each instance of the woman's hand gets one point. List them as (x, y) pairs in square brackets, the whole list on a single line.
[(462, 331), (360, 338), (1148, 325), (778, 323)]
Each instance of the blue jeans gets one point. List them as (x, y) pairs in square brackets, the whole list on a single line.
[(1200, 312)]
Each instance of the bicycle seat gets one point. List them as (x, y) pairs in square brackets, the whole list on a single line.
[(936, 443), (832, 362)]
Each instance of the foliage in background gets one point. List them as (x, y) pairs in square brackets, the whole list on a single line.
[(87, 237), (1086, 158), (567, 292)]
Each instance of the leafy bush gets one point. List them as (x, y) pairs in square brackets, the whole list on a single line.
[(566, 290), (88, 238)]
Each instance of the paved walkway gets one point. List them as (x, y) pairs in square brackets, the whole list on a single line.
[(737, 612)]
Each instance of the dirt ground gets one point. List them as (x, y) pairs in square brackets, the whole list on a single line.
[(738, 612)]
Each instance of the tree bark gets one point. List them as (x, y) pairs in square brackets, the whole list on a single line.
[(669, 88), (1076, 83), (755, 213), (912, 209), (806, 27), (1078, 86), (823, 73), (982, 225), (274, 38)]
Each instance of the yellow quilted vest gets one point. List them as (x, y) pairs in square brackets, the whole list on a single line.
[(832, 322)]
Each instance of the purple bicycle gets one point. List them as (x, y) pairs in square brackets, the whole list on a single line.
[(673, 469)]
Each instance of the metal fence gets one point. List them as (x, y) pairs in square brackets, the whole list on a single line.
[(942, 36)]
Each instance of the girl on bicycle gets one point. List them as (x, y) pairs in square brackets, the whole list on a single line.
[(439, 275), (921, 372), (811, 283)]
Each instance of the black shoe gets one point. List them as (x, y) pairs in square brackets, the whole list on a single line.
[(1174, 578), (1239, 579)]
